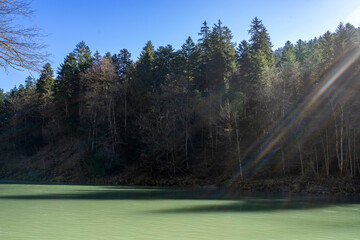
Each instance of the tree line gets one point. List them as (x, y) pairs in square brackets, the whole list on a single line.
[(212, 109)]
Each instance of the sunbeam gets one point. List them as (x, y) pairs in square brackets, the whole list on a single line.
[(292, 121)]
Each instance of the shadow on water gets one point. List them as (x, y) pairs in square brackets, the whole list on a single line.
[(249, 205), (236, 201)]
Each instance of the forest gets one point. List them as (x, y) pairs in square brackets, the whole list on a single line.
[(214, 110)]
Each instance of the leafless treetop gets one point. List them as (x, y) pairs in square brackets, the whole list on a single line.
[(20, 47)]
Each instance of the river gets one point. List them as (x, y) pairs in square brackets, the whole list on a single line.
[(48, 212)]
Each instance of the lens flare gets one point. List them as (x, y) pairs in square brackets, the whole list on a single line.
[(310, 105)]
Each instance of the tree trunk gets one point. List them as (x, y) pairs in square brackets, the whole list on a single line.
[(350, 157), (354, 152), (125, 109), (301, 159), (341, 140), (283, 160), (238, 148), (239, 156), (94, 131), (326, 153), (316, 161), (186, 147)]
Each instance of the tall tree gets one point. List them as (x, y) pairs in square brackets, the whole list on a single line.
[(45, 83), (202, 79), (288, 54), (145, 68), (124, 67), (122, 62), (260, 40), (222, 57), (67, 83), (83, 56), (45, 92), (99, 105), (190, 58), (163, 64)]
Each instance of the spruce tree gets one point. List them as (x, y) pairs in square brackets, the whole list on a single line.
[(145, 69), (83, 56), (122, 62), (163, 64), (202, 79), (45, 83), (190, 60), (260, 41), (288, 54), (222, 57)]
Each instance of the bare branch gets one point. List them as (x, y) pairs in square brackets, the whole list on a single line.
[(20, 47)]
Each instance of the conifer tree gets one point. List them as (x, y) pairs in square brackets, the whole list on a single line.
[(145, 68), (260, 41), (202, 80), (288, 54), (83, 56), (189, 56), (45, 83), (67, 84), (29, 82), (301, 51), (122, 62), (261, 56), (222, 57), (163, 64)]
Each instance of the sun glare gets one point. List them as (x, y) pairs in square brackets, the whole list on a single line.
[(354, 17)]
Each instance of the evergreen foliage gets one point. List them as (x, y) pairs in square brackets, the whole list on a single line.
[(209, 110)]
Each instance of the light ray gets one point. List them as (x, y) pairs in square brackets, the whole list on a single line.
[(308, 105)]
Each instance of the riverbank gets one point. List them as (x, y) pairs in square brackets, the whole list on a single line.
[(318, 186), (306, 185)]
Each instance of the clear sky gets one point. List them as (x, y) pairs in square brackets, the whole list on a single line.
[(111, 25)]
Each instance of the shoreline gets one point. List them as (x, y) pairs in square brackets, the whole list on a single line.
[(290, 185)]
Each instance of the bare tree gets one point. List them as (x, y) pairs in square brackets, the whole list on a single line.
[(99, 86), (20, 47)]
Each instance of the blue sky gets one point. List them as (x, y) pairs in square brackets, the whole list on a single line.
[(111, 25)]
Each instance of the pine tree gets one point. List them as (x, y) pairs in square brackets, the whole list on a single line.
[(29, 82), (145, 69), (288, 54), (243, 64), (202, 79), (97, 57), (260, 57), (67, 74), (83, 56), (45, 83), (124, 67), (326, 48), (122, 62), (222, 57), (2, 107), (45, 93), (67, 85), (260, 41), (163, 64), (301, 51), (108, 56), (190, 60)]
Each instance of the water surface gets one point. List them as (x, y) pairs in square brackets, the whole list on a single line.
[(105, 212)]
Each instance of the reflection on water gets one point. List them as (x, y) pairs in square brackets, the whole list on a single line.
[(107, 212)]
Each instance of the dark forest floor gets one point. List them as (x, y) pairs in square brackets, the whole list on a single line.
[(307, 185), (64, 166)]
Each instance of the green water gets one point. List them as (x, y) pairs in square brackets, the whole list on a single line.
[(103, 212)]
